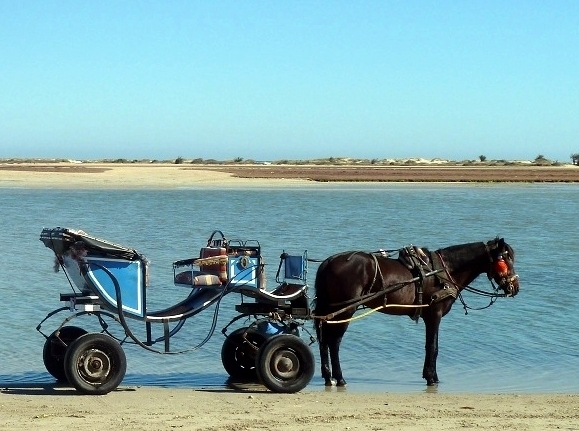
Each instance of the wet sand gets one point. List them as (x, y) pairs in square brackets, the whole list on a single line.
[(146, 408)]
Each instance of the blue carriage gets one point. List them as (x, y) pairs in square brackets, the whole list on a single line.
[(110, 280)]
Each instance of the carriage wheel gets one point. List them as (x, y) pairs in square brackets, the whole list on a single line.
[(285, 364), (95, 364), (239, 352), (55, 350)]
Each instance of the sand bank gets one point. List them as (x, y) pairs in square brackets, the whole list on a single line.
[(167, 176), (140, 408), (122, 176)]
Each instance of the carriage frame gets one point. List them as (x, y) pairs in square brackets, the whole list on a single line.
[(110, 281)]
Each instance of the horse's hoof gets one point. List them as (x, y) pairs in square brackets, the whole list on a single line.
[(431, 383), (329, 383), (341, 383)]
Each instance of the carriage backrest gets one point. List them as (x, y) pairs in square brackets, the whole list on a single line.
[(100, 266), (244, 264), (217, 266), (292, 268)]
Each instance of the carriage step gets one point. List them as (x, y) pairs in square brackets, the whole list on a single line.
[(79, 298), (81, 302)]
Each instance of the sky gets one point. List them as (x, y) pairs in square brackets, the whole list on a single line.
[(296, 80)]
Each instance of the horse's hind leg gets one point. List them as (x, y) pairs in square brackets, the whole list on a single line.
[(333, 341), (335, 357), (329, 339), (324, 354)]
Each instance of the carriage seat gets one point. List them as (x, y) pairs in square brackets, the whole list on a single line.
[(196, 278), (282, 294), (211, 267), (289, 290)]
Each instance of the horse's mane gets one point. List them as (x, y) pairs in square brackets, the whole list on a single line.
[(462, 253)]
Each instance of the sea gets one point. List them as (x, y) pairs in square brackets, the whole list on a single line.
[(525, 344)]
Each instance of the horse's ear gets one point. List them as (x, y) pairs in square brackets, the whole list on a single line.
[(497, 243)]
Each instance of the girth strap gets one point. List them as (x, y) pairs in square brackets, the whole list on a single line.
[(419, 265)]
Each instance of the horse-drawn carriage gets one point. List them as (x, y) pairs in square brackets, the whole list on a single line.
[(109, 281)]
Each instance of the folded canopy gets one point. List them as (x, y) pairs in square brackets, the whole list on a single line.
[(61, 239)]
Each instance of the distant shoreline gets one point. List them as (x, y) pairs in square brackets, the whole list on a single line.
[(165, 175)]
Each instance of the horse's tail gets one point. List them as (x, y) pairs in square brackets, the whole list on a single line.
[(322, 299)]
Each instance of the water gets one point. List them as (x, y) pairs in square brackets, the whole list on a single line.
[(523, 344)]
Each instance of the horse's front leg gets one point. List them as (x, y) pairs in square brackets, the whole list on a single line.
[(431, 350)]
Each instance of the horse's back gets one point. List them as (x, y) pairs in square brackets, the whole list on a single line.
[(351, 274)]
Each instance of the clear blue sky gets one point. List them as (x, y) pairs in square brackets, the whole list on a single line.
[(271, 80)]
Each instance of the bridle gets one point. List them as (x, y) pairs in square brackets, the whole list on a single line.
[(495, 269), (499, 270)]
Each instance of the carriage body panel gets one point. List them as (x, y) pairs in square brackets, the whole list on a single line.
[(242, 271), (130, 278)]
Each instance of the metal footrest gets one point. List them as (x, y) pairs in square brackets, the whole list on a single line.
[(262, 308)]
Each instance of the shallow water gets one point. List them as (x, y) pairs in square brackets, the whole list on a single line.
[(522, 344)]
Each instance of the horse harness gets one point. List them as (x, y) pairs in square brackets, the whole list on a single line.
[(423, 267)]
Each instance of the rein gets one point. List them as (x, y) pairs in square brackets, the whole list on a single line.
[(354, 303)]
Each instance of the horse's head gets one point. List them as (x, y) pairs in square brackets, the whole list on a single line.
[(502, 266)]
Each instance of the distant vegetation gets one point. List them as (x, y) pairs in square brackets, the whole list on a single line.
[(482, 160)]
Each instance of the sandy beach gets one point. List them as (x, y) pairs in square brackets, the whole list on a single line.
[(165, 176), (146, 408)]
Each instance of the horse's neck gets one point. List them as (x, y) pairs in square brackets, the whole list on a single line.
[(465, 262)]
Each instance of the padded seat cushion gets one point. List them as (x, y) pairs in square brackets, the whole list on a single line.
[(195, 278)]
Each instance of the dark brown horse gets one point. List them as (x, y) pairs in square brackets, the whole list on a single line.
[(418, 284)]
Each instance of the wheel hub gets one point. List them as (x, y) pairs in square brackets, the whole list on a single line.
[(95, 365), (286, 365)]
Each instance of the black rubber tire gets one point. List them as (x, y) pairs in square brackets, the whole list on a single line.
[(239, 352), (95, 364), (54, 350), (285, 364)]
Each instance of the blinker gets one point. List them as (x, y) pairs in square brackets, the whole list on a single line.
[(501, 267)]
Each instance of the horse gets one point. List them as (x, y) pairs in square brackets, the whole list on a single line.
[(418, 284)]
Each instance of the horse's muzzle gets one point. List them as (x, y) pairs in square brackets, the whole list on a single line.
[(510, 285)]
